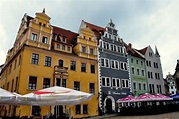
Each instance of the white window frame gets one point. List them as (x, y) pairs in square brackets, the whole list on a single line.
[(125, 81)]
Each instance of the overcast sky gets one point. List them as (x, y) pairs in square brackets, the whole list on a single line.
[(140, 22)]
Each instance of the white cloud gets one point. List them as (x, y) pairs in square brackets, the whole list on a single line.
[(142, 23)]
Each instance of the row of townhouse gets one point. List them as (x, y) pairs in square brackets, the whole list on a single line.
[(94, 60)]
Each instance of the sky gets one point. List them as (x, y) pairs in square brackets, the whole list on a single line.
[(140, 22)]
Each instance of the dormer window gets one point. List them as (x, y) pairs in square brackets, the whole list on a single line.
[(44, 39), (64, 40), (44, 25), (40, 23)]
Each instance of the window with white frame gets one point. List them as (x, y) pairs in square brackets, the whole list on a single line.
[(47, 61), (102, 62), (112, 64), (106, 81), (117, 64), (112, 47), (34, 37), (125, 83), (107, 62), (114, 82), (32, 85), (35, 58), (118, 84), (107, 46), (44, 39), (119, 49)]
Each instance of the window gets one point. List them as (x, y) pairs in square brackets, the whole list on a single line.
[(119, 49), (15, 63), (19, 60), (112, 47), (60, 63), (47, 61), (143, 74), (35, 58), (141, 62), (36, 111), (32, 83), (118, 82), (60, 82), (117, 64), (34, 37), (140, 86), (64, 40), (64, 82), (10, 68), (133, 70), (68, 49), (83, 49), (102, 62), (92, 68), (85, 109), (107, 46), (132, 60), (114, 82), (77, 85), (112, 64), (137, 62), (144, 86), (107, 62), (16, 85), (138, 72), (73, 65), (115, 48), (12, 85), (104, 45), (46, 83), (91, 51), (83, 67), (125, 83), (106, 81), (91, 87), (63, 47), (58, 46), (78, 109), (134, 86), (44, 39)]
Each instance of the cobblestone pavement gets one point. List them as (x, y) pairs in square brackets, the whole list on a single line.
[(171, 115)]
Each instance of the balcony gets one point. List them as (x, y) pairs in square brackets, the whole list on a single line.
[(60, 72)]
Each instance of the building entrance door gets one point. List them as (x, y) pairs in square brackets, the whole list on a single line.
[(58, 110), (109, 105)]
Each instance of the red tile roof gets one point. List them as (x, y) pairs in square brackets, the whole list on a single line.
[(143, 50), (71, 36)]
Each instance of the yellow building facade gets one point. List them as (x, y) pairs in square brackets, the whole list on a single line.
[(43, 56)]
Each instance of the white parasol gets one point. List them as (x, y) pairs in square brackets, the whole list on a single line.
[(6, 97), (54, 96)]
